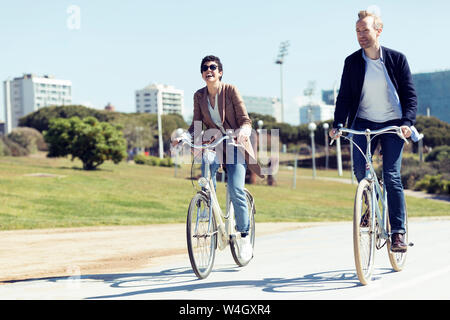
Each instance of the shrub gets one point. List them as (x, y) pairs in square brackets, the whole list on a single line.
[(28, 138), (442, 167), (153, 161), (140, 159), (438, 154), (433, 184), (411, 174), (11, 148)]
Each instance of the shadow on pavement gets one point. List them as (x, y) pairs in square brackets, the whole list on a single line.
[(184, 280)]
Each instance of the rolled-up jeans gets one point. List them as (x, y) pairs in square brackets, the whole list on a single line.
[(236, 168), (391, 149)]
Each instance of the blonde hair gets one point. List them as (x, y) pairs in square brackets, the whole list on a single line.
[(377, 23)]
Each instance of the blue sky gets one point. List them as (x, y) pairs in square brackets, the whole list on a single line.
[(122, 46)]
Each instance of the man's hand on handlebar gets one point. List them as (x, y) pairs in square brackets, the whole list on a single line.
[(334, 133), (406, 131)]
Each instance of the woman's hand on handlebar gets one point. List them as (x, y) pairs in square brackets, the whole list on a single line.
[(183, 136), (243, 134)]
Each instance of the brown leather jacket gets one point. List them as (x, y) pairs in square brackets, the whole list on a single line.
[(232, 113)]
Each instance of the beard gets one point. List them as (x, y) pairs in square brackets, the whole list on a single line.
[(366, 43)]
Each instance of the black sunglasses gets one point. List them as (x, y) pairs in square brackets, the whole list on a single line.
[(211, 67)]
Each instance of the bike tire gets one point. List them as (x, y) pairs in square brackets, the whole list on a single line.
[(364, 225), (201, 235), (397, 259), (251, 232)]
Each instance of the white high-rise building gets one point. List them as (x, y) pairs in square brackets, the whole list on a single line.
[(158, 97), (263, 105), (29, 93)]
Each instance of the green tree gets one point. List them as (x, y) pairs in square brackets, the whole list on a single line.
[(40, 119), (87, 139)]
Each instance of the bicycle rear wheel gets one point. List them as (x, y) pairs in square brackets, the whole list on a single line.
[(364, 232), (397, 259), (201, 235), (251, 232)]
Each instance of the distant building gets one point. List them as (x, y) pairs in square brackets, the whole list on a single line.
[(264, 105), (329, 96), (316, 111), (433, 93), (110, 107), (26, 94), (157, 97)]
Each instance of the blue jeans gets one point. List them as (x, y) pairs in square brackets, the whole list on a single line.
[(236, 169), (391, 148)]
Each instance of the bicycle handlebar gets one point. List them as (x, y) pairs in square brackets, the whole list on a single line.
[(211, 145), (391, 129)]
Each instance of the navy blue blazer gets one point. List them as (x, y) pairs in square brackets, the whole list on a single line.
[(352, 80)]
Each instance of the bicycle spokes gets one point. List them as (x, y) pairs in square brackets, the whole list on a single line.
[(364, 232), (201, 236)]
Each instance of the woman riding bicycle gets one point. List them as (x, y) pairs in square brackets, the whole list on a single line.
[(377, 91), (219, 107)]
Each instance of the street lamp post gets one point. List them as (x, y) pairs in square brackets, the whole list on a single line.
[(160, 138), (280, 60), (312, 127), (139, 138), (260, 137), (325, 130), (339, 156)]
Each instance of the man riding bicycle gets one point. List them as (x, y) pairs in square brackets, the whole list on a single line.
[(377, 91)]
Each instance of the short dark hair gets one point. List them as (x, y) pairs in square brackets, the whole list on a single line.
[(213, 59)]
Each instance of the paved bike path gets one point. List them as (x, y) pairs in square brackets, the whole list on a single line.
[(308, 263)]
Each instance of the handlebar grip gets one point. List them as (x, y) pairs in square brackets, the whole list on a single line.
[(401, 135), (339, 126)]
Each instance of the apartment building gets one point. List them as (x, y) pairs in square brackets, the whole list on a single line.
[(159, 98), (263, 105), (26, 94)]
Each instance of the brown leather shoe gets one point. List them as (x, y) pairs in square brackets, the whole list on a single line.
[(398, 243)]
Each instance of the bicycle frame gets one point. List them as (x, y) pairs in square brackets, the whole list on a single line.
[(378, 195), (224, 228)]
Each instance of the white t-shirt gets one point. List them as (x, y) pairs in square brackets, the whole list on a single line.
[(214, 112), (379, 99)]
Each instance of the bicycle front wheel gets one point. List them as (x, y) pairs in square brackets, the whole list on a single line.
[(234, 247), (201, 235), (364, 232)]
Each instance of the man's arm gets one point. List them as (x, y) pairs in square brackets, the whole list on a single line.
[(344, 98), (407, 94)]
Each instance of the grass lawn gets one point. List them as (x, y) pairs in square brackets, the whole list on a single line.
[(37, 192)]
